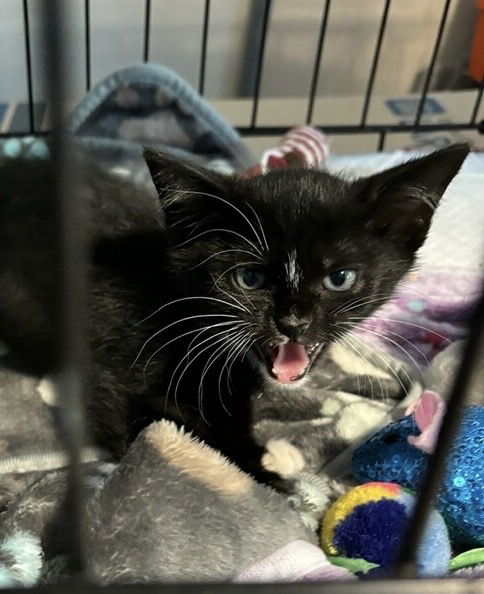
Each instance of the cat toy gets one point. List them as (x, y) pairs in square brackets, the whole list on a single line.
[(400, 453), (362, 531)]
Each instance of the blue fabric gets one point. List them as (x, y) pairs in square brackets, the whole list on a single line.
[(139, 106)]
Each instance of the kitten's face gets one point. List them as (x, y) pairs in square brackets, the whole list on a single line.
[(295, 255)]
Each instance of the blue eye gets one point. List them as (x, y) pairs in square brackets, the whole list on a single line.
[(249, 278), (339, 280)]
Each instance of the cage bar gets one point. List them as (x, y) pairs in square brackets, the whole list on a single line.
[(317, 62), (374, 63), (87, 41), (260, 62), (203, 51), (382, 586), (433, 59), (28, 64), (477, 104), (71, 261), (367, 129), (147, 31), (381, 141)]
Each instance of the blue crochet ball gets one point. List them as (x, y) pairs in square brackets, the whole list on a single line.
[(387, 456)]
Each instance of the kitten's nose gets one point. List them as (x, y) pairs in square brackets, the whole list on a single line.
[(291, 326)]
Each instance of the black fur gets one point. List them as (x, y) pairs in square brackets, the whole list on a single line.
[(213, 224)]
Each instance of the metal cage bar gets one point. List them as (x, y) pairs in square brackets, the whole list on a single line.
[(260, 63), (433, 59), (252, 129), (70, 260), (147, 31), (374, 63), (381, 141), (477, 104), (28, 64), (87, 41), (203, 51), (317, 62)]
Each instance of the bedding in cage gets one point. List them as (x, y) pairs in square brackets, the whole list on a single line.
[(210, 521)]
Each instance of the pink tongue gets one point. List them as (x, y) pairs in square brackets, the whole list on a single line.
[(290, 362)]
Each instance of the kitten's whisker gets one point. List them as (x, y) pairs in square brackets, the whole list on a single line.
[(180, 336), (398, 346), (340, 336), (225, 335), (221, 200), (245, 350), (378, 317), (230, 356), (215, 284), (216, 281), (195, 297), (232, 349), (220, 230), (361, 302), (153, 355), (211, 359), (239, 352), (415, 347), (158, 332), (348, 342), (246, 309), (355, 303), (230, 366), (260, 225), (241, 304), (226, 345), (194, 347), (377, 354), (239, 355), (219, 254), (180, 363)]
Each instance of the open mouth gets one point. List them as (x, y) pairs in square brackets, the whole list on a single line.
[(290, 361)]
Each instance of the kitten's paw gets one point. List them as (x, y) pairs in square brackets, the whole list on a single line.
[(47, 390), (283, 458)]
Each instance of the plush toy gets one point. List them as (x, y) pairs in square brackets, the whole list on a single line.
[(400, 453), (363, 531), (172, 510)]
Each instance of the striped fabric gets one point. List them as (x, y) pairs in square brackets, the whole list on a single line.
[(300, 147)]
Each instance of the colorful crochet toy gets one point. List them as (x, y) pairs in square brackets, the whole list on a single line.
[(400, 453), (363, 529)]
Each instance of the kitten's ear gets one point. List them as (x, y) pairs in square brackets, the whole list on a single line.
[(182, 187), (402, 200)]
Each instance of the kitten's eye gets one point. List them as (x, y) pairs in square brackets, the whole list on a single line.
[(249, 278), (339, 280)]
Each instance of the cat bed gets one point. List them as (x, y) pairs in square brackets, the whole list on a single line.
[(308, 438)]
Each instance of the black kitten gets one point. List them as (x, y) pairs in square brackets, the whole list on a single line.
[(248, 281)]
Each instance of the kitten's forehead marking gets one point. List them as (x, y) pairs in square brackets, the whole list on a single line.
[(293, 270)]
